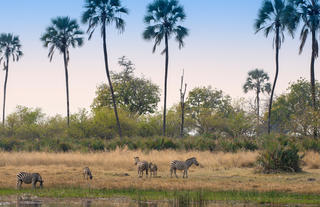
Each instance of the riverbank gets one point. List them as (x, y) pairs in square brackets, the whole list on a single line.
[(200, 196)]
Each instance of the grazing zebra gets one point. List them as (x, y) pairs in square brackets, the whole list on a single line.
[(153, 169), (142, 166), (87, 173), (27, 178), (181, 165)]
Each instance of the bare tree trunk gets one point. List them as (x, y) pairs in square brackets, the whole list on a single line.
[(182, 104), (5, 92), (312, 78), (165, 86), (258, 107), (275, 78), (109, 79), (67, 85)]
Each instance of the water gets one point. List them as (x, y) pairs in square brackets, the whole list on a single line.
[(28, 201)]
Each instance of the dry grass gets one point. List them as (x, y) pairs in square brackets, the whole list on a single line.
[(312, 160), (217, 171)]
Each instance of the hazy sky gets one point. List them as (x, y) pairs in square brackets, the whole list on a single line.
[(220, 50)]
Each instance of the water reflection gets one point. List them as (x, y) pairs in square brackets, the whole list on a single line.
[(28, 201)]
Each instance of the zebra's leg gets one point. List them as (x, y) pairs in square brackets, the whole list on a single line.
[(19, 183), (175, 172), (34, 183), (186, 173), (171, 171), (147, 172)]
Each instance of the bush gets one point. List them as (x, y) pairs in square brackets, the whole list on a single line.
[(64, 147), (9, 145), (280, 154)]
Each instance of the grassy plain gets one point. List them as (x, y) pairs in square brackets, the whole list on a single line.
[(217, 171)]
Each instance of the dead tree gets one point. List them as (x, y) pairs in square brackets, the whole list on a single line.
[(182, 104)]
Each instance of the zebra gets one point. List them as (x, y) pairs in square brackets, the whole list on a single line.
[(87, 173), (153, 169), (142, 166), (181, 165), (27, 178)]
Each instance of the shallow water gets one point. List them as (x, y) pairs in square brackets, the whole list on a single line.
[(28, 201)]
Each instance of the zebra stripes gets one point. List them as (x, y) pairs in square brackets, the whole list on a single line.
[(28, 178), (142, 166), (182, 165), (87, 173)]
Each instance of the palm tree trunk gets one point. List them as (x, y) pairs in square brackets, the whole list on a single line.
[(312, 78), (258, 107), (275, 78), (5, 92), (67, 85), (165, 85), (108, 76)]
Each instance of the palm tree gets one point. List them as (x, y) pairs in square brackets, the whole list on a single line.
[(162, 20), (62, 34), (257, 81), (309, 11), (104, 13), (276, 16), (11, 47)]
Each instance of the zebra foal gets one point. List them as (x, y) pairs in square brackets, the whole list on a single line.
[(28, 178), (182, 165), (142, 166), (87, 173), (153, 168)]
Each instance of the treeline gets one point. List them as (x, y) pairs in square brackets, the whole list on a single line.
[(213, 121)]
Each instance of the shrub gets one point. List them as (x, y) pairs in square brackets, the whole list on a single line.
[(64, 147), (279, 154)]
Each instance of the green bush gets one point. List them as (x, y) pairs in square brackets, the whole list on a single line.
[(279, 154), (9, 145), (64, 147), (311, 144)]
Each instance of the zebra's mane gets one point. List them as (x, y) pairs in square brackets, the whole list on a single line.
[(192, 158)]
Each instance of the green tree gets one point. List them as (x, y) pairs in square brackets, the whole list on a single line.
[(208, 108), (162, 20), (104, 13), (293, 111), (257, 81), (309, 10), (62, 34), (134, 94), (25, 123), (276, 16), (10, 46)]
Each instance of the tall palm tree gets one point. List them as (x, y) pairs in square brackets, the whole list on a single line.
[(103, 13), (309, 11), (257, 81), (162, 20), (62, 34), (11, 47), (276, 16)]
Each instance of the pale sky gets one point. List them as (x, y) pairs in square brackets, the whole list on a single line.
[(221, 49)]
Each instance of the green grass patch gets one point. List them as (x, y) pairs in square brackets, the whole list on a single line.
[(203, 196)]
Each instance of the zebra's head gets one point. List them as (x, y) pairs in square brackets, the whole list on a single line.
[(151, 165), (136, 160), (193, 160)]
